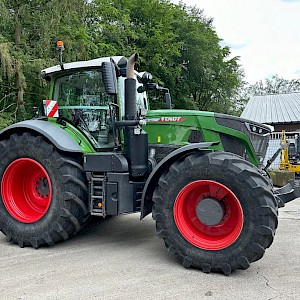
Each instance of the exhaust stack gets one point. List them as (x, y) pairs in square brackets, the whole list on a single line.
[(135, 139), (130, 89)]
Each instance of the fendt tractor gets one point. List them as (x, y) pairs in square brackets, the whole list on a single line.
[(99, 150)]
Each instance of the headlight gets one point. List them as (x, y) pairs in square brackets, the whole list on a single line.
[(257, 129)]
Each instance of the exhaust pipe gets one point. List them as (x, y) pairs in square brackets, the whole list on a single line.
[(130, 89), (135, 139), (130, 65)]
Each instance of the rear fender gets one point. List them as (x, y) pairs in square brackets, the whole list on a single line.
[(162, 166), (57, 136)]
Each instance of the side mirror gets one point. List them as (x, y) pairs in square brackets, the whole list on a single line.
[(109, 78), (152, 86), (148, 87)]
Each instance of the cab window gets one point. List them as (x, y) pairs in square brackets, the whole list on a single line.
[(82, 98)]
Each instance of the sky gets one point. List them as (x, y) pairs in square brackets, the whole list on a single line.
[(265, 34)]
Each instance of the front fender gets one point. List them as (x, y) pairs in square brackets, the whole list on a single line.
[(57, 136), (164, 164)]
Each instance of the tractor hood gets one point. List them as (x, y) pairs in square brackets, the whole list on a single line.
[(180, 127), (183, 116)]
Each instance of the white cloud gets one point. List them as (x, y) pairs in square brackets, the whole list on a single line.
[(265, 34)]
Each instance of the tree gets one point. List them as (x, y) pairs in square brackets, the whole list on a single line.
[(176, 43), (27, 36), (208, 76), (275, 85)]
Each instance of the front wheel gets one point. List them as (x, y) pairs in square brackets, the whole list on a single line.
[(43, 192), (215, 211)]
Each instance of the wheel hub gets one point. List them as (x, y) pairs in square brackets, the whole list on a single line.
[(42, 187), (210, 211)]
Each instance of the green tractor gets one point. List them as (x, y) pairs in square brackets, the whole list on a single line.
[(99, 151)]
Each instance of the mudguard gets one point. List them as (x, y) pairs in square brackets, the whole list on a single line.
[(164, 164), (57, 136)]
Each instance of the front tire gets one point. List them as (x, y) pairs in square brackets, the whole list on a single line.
[(215, 211), (43, 191)]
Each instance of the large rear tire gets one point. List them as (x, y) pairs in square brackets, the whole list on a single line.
[(216, 212), (43, 191)]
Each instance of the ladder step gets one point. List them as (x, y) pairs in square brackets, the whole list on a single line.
[(97, 212), (97, 197)]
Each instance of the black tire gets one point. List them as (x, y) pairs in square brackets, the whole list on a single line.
[(254, 201), (49, 210)]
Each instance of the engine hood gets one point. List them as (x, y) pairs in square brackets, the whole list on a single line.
[(182, 116)]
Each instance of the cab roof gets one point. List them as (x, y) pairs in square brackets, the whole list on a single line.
[(49, 72)]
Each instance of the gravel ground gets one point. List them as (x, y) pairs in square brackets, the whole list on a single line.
[(123, 258)]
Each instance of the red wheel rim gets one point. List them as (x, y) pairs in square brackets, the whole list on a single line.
[(208, 237), (26, 190)]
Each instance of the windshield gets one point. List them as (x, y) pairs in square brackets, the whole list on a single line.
[(82, 98)]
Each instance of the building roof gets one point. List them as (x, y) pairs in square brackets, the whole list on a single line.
[(273, 109)]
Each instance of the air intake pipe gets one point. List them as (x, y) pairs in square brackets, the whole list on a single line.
[(135, 139)]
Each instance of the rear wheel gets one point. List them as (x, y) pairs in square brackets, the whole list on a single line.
[(216, 212), (43, 192)]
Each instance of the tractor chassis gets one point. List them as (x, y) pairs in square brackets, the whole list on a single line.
[(111, 191)]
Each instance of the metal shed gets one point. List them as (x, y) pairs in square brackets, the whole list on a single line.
[(279, 110)]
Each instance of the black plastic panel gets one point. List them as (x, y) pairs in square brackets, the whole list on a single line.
[(233, 145), (195, 137), (105, 162), (161, 151), (128, 195)]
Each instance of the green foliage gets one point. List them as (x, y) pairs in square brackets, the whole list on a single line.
[(275, 85), (27, 38), (5, 120), (176, 43)]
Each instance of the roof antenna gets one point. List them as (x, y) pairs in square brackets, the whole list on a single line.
[(60, 47)]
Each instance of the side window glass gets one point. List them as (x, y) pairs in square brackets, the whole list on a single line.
[(82, 98)]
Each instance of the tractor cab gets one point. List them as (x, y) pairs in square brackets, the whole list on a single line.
[(81, 90)]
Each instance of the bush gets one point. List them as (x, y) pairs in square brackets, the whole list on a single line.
[(5, 120)]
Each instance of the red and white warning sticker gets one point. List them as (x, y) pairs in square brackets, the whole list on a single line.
[(51, 108)]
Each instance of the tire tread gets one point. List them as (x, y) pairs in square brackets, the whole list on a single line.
[(211, 261)]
